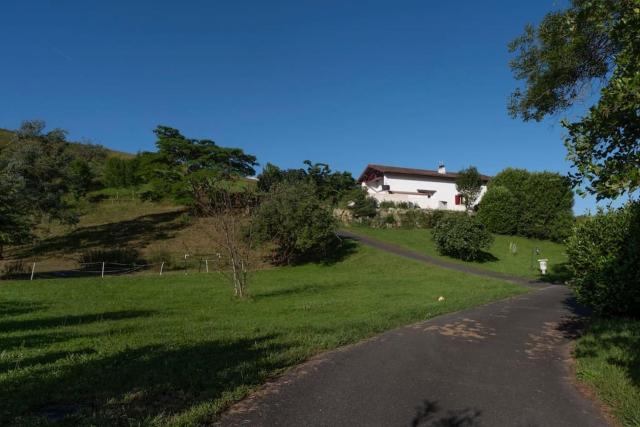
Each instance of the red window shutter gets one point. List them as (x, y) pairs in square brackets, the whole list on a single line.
[(458, 197)]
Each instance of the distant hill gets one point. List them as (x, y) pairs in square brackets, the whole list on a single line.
[(6, 136)]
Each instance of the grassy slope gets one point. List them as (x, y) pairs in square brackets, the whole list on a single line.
[(519, 264), (177, 349), (608, 359)]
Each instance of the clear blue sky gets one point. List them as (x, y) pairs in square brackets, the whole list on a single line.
[(404, 83)]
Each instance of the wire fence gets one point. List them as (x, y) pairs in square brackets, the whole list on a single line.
[(20, 269)]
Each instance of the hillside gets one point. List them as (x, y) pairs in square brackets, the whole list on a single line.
[(7, 135)]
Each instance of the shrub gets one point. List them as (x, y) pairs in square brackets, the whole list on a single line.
[(461, 236), (112, 256), (498, 211), (604, 257), (297, 223), (15, 269), (360, 204), (530, 204)]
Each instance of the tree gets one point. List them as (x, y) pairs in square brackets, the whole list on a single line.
[(121, 173), (330, 186), (588, 42), (232, 205), (15, 219), (41, 162), (530, 204), (299, 226), (469, 185), (81, 177), (181, 163)]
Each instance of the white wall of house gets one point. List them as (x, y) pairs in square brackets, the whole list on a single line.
[(403, 188)]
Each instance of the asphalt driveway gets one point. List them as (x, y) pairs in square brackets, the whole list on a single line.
[(502, 364)]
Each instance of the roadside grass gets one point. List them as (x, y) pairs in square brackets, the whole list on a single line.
[(523, 263), (178, 349), (608, 360)]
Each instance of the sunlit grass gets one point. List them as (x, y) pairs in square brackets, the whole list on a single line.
[(178, 349)]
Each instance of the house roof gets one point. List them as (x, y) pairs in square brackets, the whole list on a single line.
[(382, 169)]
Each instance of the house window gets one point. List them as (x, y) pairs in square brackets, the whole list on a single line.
[(443, 204), (459, 199)]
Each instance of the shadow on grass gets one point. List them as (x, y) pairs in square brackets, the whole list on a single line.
[(17, 308), (430, 414), (344, 248), (141, 231), (558, 273), (617, 341), (141, 383), (55, 322)]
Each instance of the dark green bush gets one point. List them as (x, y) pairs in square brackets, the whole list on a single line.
[(300, 227), (498, 211), (529, 204), (461, 236), (604, 257)]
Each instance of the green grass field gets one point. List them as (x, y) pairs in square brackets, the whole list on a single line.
[(523, 263), (178, 349), (608, 359)]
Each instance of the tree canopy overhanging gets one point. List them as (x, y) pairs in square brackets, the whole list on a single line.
[(590, 42)]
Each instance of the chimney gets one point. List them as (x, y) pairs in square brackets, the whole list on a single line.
[(441, 168)]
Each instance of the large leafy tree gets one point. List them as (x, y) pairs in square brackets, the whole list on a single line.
[(40, 161), (181, 163), (35, 178), (592, 42)]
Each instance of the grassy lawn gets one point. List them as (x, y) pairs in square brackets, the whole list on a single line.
[(178, 349), (608, 359), (523, 263)]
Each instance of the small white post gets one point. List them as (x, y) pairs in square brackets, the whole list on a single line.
[(103, 269), (33, 270), (185, 263), (161, 267), (206, 264)]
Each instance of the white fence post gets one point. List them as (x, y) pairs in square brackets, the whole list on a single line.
[(206, 265), (103, 269), (161, 267), (33, 270)]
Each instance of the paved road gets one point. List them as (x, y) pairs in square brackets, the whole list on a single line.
[(503, 364)]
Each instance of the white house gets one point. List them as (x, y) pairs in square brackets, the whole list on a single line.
[(429, 189)]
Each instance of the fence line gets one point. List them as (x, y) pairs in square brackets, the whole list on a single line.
[(106, 268)]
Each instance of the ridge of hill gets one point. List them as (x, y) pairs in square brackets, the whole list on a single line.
[(6, 135)]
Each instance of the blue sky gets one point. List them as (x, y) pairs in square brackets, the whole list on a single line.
[(406, 83)]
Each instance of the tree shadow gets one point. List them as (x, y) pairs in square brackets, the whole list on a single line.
[(141, 231), (557, 273), (17, 308), (430, 414), (55, 322), (608, 334), (485, 257), (344, 247), (140, 384)]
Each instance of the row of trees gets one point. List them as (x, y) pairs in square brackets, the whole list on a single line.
[(530, 204)]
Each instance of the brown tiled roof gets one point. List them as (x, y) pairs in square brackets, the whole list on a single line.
[(414, 172)]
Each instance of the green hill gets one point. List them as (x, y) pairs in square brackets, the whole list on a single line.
[(7, 135)]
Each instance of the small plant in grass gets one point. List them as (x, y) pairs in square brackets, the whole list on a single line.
[(461, 236)]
